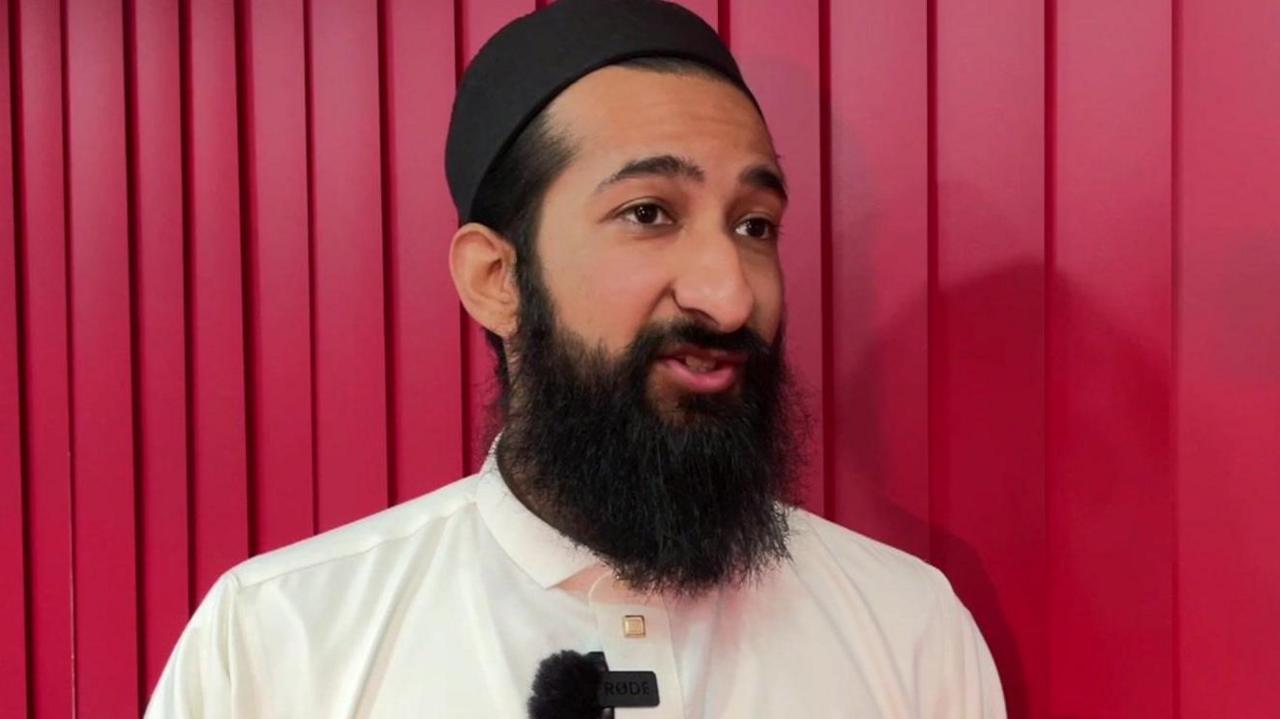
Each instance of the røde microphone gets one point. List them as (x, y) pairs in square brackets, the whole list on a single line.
[(569, 685), (565, 687)]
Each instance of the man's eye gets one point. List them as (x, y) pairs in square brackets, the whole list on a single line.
[(647, 213), (758, 228)]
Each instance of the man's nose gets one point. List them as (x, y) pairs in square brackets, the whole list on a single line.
[(711, 281)]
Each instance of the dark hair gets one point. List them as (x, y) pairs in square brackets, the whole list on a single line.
[(509, 198), (509, 201)]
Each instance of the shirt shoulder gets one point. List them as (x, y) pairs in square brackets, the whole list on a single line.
[(913, 610), (893, 583), (310, 604), (362, 536)]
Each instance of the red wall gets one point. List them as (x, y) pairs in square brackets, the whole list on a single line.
[(1031, 270)]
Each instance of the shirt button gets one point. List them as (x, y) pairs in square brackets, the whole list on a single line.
[(633, 626)]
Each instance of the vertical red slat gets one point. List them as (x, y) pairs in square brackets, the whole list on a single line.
[(879, 271), (220, 514), (1228, 387), (477, 21), (777, 47), (13, 609), (986, 340), (161, 350), (425, 336), (42, 229), (350, 397), (101, 363), (279, 288), (1109, 490)]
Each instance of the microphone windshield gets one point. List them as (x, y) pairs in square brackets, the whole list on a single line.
[(565, 687)]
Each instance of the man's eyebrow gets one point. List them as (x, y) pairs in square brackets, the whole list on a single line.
[(765, 177), (659, 165)]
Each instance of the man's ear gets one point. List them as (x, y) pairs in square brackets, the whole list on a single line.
[(483, 266)]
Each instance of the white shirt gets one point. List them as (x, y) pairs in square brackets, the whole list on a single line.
[(444, 606)]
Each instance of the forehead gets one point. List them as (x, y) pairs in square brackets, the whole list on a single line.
[(618, 113)]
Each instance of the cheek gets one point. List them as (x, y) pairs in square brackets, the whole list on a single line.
[(606, 297), (765, 278)]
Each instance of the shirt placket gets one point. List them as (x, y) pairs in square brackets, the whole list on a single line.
[(635, 632)]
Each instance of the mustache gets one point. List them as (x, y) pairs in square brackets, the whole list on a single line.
[(653, 340)]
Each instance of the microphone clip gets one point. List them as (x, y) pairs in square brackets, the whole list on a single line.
[(624, 689)]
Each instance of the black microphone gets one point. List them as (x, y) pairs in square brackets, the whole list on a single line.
[(569, 685), (566, 685)]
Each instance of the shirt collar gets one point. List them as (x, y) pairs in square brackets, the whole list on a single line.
[(545, 554)]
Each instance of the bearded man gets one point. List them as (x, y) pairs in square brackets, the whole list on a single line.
[(620, 202)]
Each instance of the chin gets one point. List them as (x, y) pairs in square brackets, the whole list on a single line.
[(692, 409)]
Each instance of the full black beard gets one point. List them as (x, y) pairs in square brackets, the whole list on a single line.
[(678, 503)]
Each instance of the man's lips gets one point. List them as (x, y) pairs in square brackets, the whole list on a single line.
[(702, 370)]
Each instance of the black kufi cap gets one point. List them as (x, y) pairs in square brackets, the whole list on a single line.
[(523, 67)]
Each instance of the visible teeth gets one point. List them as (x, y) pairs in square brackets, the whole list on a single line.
[(699, 364)]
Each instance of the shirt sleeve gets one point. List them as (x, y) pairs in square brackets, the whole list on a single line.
[(205, 677), (957, 677)]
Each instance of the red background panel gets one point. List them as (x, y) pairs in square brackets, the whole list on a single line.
[(347, 262), (104, 597), (425, 335), (1030, 267), (987, 328), (214, 293), (878, 198), (41, 277), (155, 115), (277, 254), (1227, 351), (1109, 281), (13, 610)]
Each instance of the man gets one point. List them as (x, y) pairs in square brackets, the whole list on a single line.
[(621, 202)]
